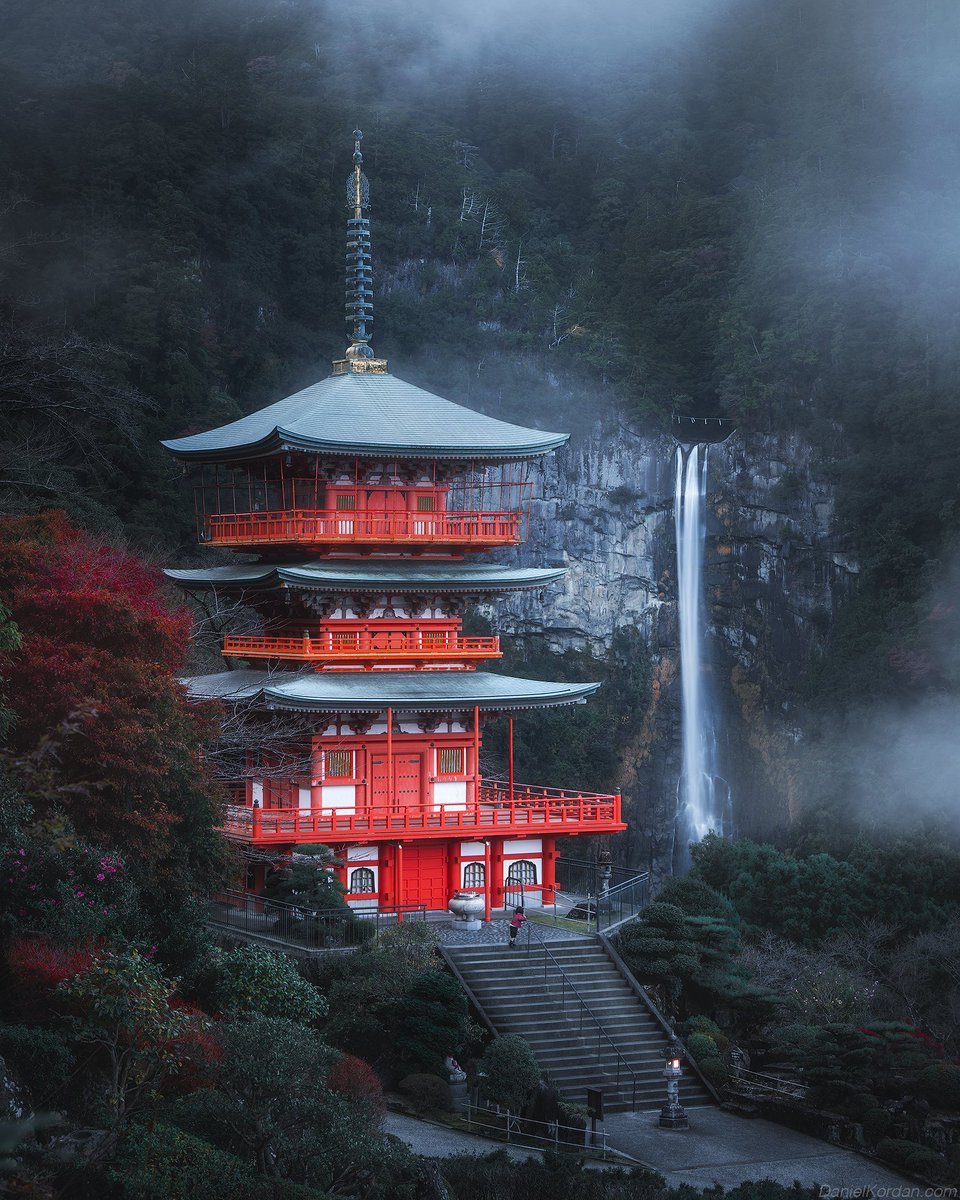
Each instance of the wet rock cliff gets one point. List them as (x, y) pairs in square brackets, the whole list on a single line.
[(774, 575)]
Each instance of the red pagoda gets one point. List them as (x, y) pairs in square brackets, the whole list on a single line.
[(367, 501)]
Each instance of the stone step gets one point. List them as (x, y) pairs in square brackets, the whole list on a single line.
[(518, 995)]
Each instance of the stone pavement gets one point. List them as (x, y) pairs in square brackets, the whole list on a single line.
[(455, 933), (436, 1141), (722, 1148), (717, 1148)]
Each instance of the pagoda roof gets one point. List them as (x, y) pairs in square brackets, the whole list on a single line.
[(366, 414), (402, 575), (373, 691)]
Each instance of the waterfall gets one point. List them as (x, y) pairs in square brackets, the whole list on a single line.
[(703, 796)]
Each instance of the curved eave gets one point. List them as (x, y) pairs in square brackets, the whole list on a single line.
[(404, 691), (371, 416), (268, 577), (281, 443)]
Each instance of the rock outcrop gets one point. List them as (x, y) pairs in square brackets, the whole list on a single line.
[(774, 576)]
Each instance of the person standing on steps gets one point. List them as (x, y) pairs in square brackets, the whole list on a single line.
[(515, 922)]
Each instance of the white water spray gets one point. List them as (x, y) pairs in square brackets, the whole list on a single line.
[(703, 797)]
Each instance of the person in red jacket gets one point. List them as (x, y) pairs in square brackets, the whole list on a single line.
[(516, 921)]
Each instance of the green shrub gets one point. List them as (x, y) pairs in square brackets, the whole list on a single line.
[(710, 1028), (715, 1071), (940, 1084), (912, 1155), (511, 1070), (702, 1047), (427, 1093), (876, 1122), (41, 1060), (857, 1105), (429, 1023), (164, 1162), (251, 979)]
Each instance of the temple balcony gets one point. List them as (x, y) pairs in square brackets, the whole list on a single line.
[(342, 644), (337, 527), (499, 808)]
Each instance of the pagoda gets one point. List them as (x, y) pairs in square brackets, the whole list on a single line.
[(367, 502)]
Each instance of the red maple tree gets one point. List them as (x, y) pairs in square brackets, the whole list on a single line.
[(100, 646)]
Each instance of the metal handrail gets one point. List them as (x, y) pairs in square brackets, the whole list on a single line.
[(584, 1008)]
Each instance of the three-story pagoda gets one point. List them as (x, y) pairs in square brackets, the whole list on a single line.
[(367, 502)]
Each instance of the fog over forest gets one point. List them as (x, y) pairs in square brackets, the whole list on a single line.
[(588, 217)]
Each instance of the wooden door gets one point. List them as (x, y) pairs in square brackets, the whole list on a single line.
[(407, 779), (425, 874)]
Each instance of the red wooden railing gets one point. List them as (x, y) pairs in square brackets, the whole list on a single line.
[(391, 644), (530, 809), (323, 526)]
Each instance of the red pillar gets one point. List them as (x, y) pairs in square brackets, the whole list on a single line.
[(398, 879), (387, 875), (549, 870), (476, 756), (510, 754), (487, 876), (390, 758), (496, 879), (453, 868)]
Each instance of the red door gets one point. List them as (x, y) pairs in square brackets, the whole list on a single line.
[(425, 874), (407, 780)]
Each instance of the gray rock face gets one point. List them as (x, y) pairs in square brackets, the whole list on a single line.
[(774, 575)]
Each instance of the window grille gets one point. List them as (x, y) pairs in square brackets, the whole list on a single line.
[(425, 503), (450, 760), (338, 764), (345, 502), (523, 871), (362, 880), (474, 875)]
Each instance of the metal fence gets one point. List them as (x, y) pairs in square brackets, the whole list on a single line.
[(582, 876), (544, 1135), (599, 895), (255, 918)]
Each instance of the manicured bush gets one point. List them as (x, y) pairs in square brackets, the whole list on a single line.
[(253, 980), (164, 1162), (702, 1047), (857, 1105), (355, 1079), (940, 1084), (429, 1023), (715, 1071), (912, 1155), (511, 1072), (876, 1122), (428, 1093), (700, 1024), (41, 1060)]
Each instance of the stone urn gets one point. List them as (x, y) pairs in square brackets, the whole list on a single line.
[(468, 907)]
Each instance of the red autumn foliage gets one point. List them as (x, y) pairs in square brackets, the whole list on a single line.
[(355, 1079), (197, 1051), (100, 646), (38, 965), (36, 968)]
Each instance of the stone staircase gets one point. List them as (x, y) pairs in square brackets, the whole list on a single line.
[(519, 991)]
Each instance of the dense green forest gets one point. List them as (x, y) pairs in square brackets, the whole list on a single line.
[(742, 211), (739, 208)]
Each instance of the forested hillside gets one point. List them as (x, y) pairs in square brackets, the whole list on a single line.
[(742, 209)]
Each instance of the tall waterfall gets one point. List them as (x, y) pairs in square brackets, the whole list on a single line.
[(703, 797)]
